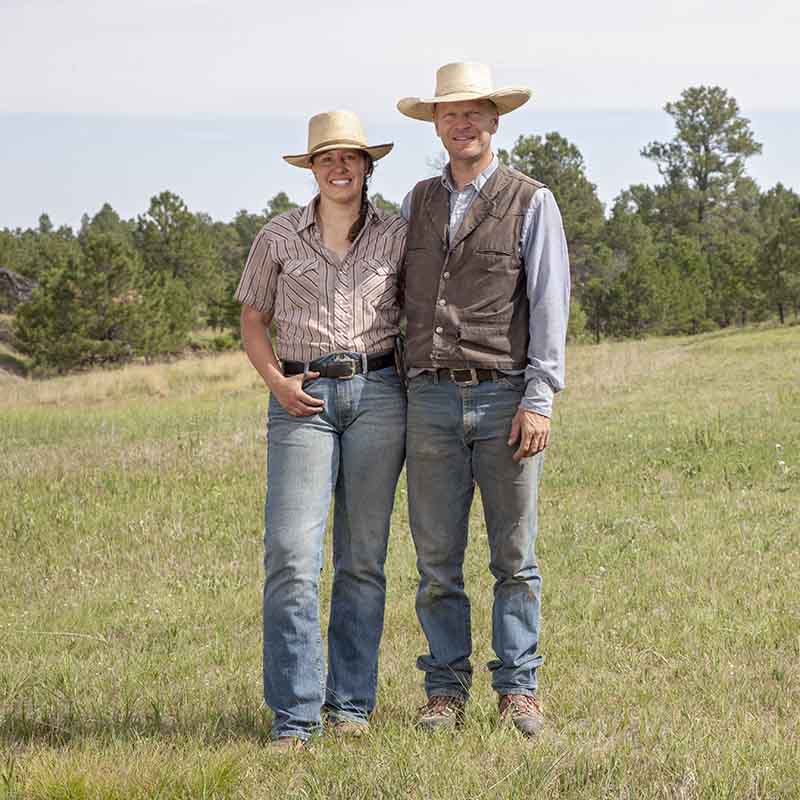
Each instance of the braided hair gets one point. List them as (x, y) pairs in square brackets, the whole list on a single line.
[(356, 227)]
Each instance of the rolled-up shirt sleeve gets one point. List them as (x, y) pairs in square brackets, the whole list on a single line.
[(259, 281), (544, 250)]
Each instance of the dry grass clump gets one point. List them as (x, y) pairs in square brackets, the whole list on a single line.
[(189, 377)]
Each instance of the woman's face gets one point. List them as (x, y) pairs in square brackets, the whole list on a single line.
[(340, 174)]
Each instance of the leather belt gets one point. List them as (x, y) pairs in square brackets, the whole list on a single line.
[(342, 366), (466, 377)]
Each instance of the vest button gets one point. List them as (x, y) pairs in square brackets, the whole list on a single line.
[(439, 329), (442, 301), (446, 275)]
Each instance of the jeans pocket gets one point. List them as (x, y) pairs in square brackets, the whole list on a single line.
[(387, 375), (515, 382), (420, 382)]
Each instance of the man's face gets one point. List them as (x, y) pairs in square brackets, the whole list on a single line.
[(466, 128)]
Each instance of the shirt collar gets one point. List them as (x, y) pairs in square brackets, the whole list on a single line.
[(477, 183), (308, 217)]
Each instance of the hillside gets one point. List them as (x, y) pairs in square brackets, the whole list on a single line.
[(131, 514)]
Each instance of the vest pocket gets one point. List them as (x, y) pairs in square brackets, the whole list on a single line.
[(481, 342), (495, 250)]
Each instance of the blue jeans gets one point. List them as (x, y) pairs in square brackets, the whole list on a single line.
[(456, 437), (352, 451)]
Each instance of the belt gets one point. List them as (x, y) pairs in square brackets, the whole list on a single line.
[(342, 366), (466, 377)]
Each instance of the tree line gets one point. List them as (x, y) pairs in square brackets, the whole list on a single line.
[(703, 249)]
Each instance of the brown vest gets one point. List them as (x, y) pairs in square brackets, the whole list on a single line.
[(466, 300)]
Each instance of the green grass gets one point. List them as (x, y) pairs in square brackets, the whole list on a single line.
[(130, 570)]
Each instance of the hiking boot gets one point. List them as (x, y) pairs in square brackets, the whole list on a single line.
[(523, 711), (286, 744), (441, 712), (347, 728)]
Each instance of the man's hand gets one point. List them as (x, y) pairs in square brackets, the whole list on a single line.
[(289, 393), (531, 430)]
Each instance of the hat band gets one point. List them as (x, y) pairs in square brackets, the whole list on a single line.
[(468, 88), (345, 142)]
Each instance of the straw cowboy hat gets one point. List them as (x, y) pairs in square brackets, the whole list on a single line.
[(334, 130), (464, 81)]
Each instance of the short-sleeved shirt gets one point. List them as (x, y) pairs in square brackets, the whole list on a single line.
[(322, 304)]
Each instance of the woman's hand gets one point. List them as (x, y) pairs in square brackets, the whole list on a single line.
[(289, 393)]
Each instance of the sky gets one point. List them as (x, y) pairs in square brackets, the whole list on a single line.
[(116, 101)]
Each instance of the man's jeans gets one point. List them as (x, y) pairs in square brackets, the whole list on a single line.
[(354, 451), (457, 436)]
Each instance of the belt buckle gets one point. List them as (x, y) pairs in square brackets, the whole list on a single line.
[(473, 377), (342, 360)]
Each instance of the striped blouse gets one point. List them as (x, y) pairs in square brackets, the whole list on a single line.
[(321, 304)]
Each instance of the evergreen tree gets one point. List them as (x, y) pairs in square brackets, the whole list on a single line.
[(707, 196), (82, 311), (164, 315), (731, 238), (684, 284), (779, 259), (279, 204), (707, 155), (558, 163), (632, 278), (380, 202), (174, 243), (106, 220)]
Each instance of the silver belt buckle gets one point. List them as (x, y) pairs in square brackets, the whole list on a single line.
[(343, 359), (473, 377)]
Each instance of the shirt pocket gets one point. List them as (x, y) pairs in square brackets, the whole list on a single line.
[(298, 267), (300, 283), (378, 283)]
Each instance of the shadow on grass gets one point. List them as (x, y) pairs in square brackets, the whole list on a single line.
[(25, 726)]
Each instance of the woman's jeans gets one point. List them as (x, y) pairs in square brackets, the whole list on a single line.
[(457, 438), (353, 451)]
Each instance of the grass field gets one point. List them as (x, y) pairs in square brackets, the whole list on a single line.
[(130, 579)]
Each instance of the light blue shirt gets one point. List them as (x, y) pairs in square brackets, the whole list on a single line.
[(543, 248)]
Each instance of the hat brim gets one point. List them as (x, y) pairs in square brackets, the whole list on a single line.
[(506, 100), (374, 151)]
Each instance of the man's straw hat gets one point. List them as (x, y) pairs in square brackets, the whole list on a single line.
[(334, 130), (464, 81)]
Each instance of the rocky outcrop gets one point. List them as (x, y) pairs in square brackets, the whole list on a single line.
[(14, 289)]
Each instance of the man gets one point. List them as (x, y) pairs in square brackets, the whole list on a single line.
[(487, 299)]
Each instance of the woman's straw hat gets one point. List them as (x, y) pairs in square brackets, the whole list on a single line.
[(464, 81), (334, 130)]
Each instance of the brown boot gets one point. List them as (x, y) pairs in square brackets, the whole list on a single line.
[(523, 711), (286, 744), (441, 712), (348, 728)]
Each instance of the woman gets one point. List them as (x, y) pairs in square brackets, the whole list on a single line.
[(327, 275)]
